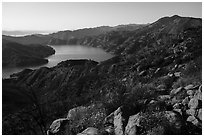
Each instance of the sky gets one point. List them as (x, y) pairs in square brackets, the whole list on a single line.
[(71, 16)]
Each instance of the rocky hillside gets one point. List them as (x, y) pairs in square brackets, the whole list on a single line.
[(153, 86), (15, 54)]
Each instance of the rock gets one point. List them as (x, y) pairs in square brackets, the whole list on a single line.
[(142, 73), (90, 131), (198, 95), (118, 122), (189, 87), (191, 111), (186, 101), (156, 123), (175, 122), (72, 112), (177, 74), (193, 103), (177, 106), (57, 126), (163, 97), (133, 123), (152, 101), (109, 130), (200, 88), (190, 92), (199, 115), (179, 111), (193, 120), (176, 91), (109, 119)]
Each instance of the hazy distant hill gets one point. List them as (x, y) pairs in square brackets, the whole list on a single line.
[(65, 37), (23, 33)]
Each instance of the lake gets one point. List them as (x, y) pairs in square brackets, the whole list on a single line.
[(62, 53)]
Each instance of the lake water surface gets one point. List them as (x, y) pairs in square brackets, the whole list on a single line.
[(65, 52)]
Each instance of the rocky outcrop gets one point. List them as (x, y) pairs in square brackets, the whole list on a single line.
[(90, 131), (57, 127)]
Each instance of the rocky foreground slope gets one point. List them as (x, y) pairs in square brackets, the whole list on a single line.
[(152, 86)]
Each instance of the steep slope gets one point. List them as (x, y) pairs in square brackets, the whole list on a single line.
[(153, 85), (14, 54)]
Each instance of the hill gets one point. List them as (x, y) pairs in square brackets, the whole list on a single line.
[(15, 54), (152, 86)]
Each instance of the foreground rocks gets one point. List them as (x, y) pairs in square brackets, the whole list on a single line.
[(185, 117)]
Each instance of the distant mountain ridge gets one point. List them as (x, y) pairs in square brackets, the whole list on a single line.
[(63, 37)]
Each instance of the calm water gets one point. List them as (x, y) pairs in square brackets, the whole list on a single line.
[(65, 52)]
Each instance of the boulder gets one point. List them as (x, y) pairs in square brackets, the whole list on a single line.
[(163, 97), (186, 101), (74, 111), (90, 131), (155, 123), (188, 87), (176, 91), (177, 106), (193, 103), (57, 126), (200, 88), (118, 122), (109, 130), (190, 92), (193, 120), (191, 111), (198, 95), (178, 110), (199, 115), (109, 119), (133, 123)]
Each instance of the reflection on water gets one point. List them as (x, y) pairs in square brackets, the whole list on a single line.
[(65, 52)]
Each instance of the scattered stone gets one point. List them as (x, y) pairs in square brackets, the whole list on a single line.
[(118, 122), (199, 115), (90, 131), (163, 97), (133, 123), (109, 130), (198, 95), (191, 111), (190, 92), (176, 91), (177, 74), (177, 106), (109, 119), (157, 70), (189, 87), (186, 101), (193, 103), (75, 110), (193, 120), (179, 111), (142, 73), (57, 126), (200, 88)]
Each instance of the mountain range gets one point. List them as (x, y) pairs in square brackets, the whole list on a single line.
[(152, 86)]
